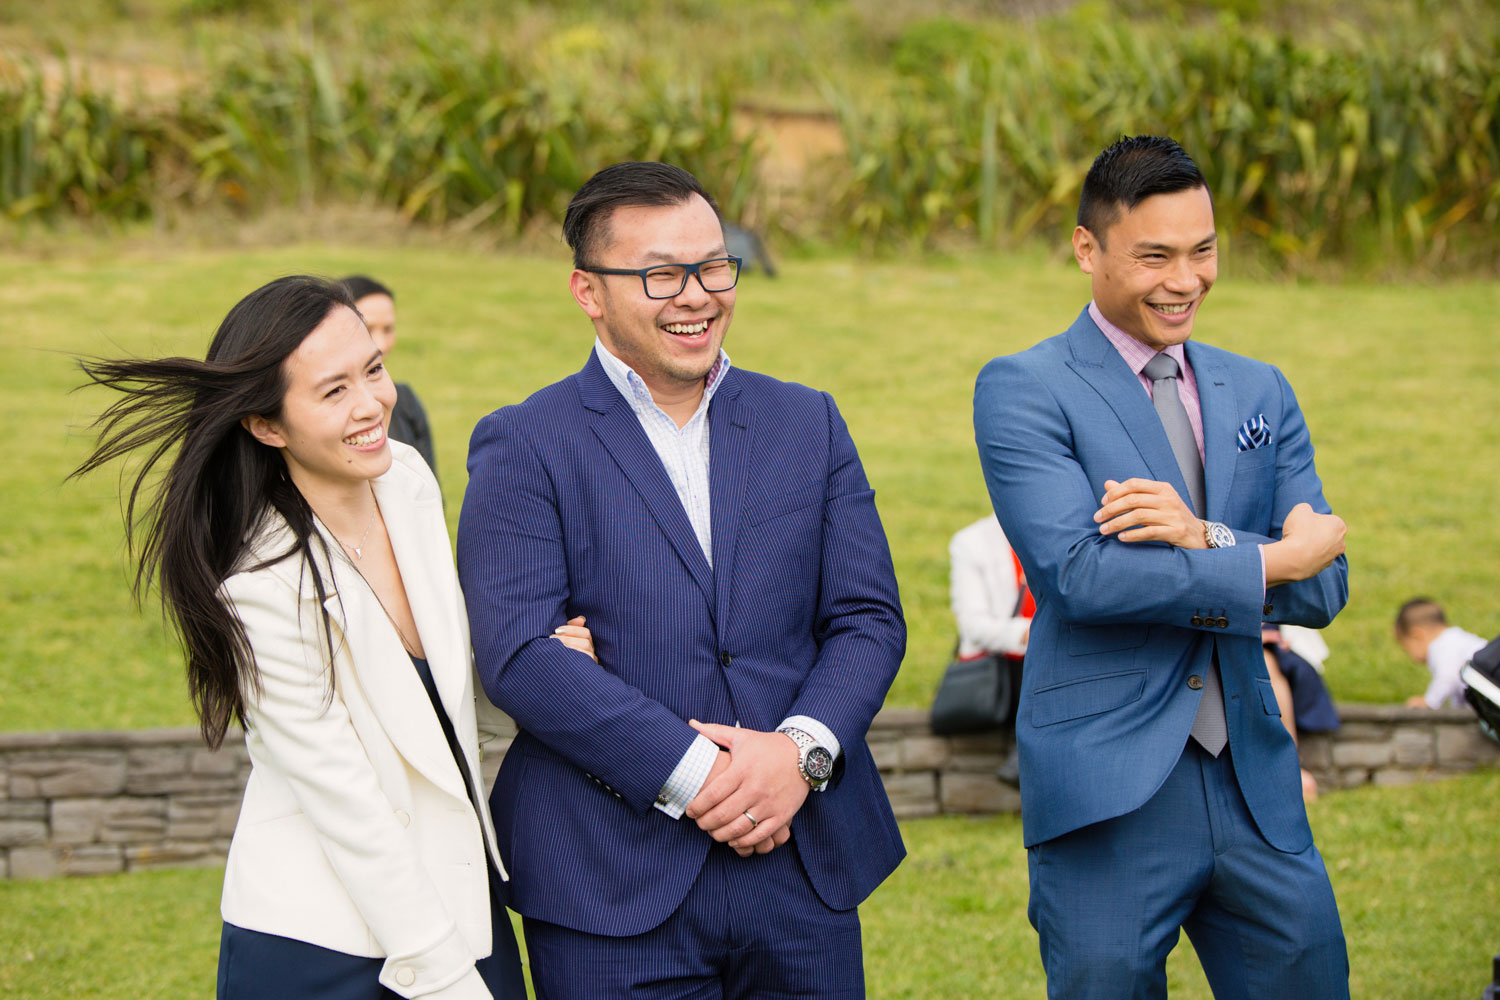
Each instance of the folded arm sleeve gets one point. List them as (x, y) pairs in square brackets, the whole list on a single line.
[(1315, 601), (1046, 506)]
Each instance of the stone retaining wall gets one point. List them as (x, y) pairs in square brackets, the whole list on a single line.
[(84, 803)]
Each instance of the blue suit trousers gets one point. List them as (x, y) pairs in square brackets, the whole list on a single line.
[(749, 927), (1107, 900)]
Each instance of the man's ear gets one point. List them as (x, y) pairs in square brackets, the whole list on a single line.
[(587, 293), (1084, 245), (263, 430)]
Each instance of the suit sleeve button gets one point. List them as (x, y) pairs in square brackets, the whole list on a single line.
[(1267, 609), (1195, 682), (405, 976), (1222, 622), (1195, 621)]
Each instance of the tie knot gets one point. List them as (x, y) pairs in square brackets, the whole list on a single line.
[(1159, 367)]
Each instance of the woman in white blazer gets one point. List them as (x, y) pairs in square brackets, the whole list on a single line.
[(305, 561)]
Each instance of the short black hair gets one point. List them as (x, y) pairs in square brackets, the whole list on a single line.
[(1419, 611), (1130, 171), (361, 286), (635, 182)]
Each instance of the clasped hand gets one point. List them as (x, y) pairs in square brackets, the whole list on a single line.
[(758, 777), (1144, 510)]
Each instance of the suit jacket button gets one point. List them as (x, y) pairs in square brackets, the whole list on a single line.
[(1267, 609), (1195, 682), (405, 976), (404, 818), (1222, 622), (1195, 621), (725, 658)]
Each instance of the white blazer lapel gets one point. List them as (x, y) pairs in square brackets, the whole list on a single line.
[(388, 679), (413, 515)]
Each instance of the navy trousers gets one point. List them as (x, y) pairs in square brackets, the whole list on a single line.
[(749, 927), (1107, 900), (258, 966)]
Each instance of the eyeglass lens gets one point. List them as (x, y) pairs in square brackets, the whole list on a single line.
[(717, 275)]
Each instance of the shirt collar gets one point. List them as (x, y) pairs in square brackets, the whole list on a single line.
[(634, 388), (1135, 353)]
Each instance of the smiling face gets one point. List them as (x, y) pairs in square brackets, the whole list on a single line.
[(331, 429), (1154, 265), (670, 343)]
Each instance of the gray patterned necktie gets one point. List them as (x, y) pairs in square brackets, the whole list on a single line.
[(1209, 726)]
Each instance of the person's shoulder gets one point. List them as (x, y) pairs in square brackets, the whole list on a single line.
[(538, 412), (1208, 354), (760, 385)]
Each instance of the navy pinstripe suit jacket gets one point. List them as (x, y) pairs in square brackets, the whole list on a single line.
[(569, 511)]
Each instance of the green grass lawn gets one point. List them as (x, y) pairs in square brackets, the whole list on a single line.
[(1396, 383), (1411, 868)]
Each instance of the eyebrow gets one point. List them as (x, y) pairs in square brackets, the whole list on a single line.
[(1210, 238), (328, 380), (665, 258)]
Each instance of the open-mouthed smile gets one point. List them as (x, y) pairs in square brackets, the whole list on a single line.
[(367, 439)]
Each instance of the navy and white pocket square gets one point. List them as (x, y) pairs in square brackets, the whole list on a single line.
[(1254, 433)]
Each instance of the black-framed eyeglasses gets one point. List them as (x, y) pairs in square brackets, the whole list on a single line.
[(666, 281)]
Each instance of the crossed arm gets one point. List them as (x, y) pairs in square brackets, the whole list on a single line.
[(1043, 496)]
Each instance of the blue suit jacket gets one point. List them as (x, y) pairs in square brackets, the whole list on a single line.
[(1105, 703), (569, 511)]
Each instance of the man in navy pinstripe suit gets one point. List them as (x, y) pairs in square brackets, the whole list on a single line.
[(698, 814)]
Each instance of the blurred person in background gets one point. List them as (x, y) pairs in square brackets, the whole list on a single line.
[(377, 304), (993, 608), (1424, 634)]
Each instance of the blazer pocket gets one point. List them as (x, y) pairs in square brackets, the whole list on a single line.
[(1089, 696), (1085, 640), (1254, 458), (786, 502), (1268, 697)]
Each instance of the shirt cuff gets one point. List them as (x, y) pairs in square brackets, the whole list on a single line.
[(1262, 550), (817, 731), (687, 778)]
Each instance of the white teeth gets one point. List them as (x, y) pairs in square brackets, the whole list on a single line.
[(687, 329), (1173, 310), (367, 438)]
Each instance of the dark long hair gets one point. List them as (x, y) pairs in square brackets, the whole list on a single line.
[(221, 484)]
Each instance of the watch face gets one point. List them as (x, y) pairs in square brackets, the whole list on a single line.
[(819, 764), (1221, 536)]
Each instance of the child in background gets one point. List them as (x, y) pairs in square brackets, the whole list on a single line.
[(1423, 631)]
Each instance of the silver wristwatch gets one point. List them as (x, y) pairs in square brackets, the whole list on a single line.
[(1218, 536), (814, 762)]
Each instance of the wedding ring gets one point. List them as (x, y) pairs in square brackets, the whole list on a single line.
[(753, 821)]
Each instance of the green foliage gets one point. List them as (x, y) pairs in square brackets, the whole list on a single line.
[(458, 131), (77, 151), (1367, 148), (1369, 137), (951, 922)]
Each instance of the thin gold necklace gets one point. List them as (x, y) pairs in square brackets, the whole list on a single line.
[(359, 550)]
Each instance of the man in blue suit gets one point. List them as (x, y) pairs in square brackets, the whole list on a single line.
[(698, 814), (1162, 497)]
